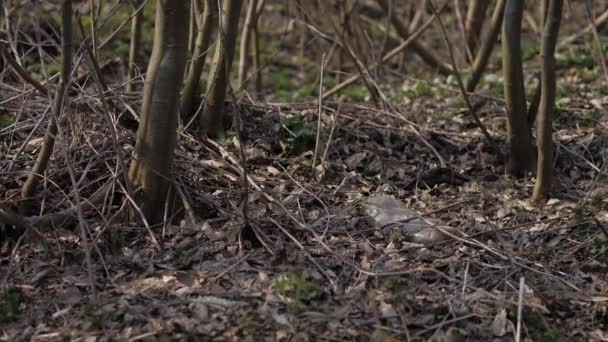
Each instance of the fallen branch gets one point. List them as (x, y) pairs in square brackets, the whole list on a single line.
[(601, 20), (394, 52), (66, 217)]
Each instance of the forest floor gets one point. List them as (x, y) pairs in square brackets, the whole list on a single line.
[(312, 263), (325, 271)]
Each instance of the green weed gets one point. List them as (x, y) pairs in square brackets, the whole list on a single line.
[(599, 248), (302, 134), (357, 93), (537, 326), (10, 300), (91, 316), (575, 56), (565, 88), (248, 326), (418, 89), (6, 119), (297, 289)]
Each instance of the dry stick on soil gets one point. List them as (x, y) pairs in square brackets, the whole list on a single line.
[(56, 218), (414, 128), (473, 242), (311, 194), (10, 60), (301, 226), (84, 230), (472, 110), (245, 224), (28, 139), (487, 45), (331, 131), (101, 88), (21, 224), (520, 306), (447, 322), (231, 267), (600, 22), (320, 110), (79, 79), (15, 220), (66, 38), (29, 187), (394, 52), (312, 260), (142, 217), (185, 202)]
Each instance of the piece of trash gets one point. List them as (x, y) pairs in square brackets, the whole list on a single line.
[(387, 211)]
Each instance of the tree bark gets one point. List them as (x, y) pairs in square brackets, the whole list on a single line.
[(207, 21), (151, 168), (246, 41), (487, 45), (135, 43), (255, 50), (473, 23), (522, 154), (213, 108), (544, 132)]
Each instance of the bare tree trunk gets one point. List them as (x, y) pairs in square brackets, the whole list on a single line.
[(194, 4), (95, 11), (213, 109), (207, 21), (542, 12), (544, 132), (522, 156), (255, 49), (473, 24), (246, 41), (29, 188), (134, 46), (151, 168), (487, 45)]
